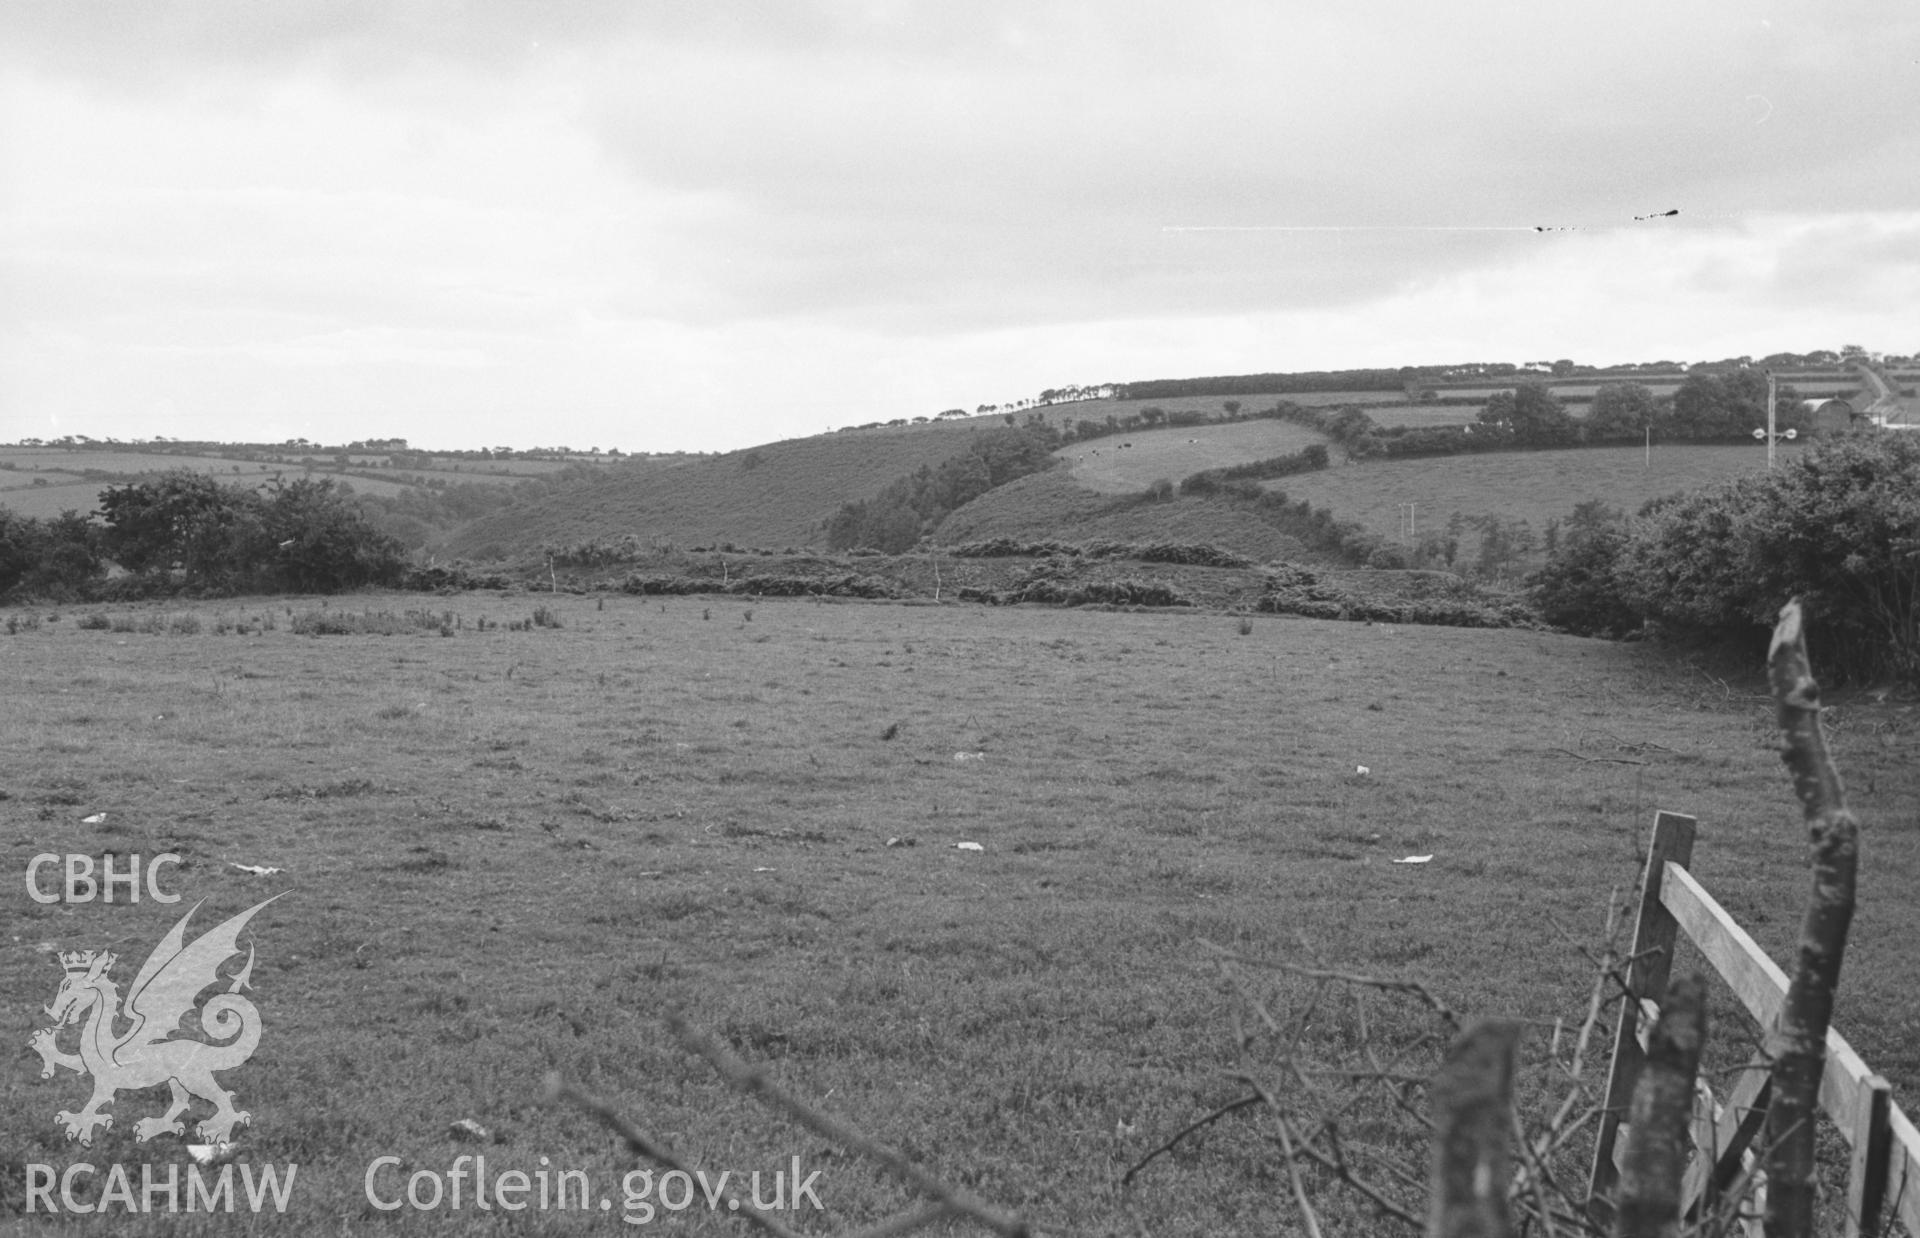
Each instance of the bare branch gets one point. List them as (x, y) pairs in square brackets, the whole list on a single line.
[(1473, 1112), (640, 1143), (1658, 1135), (1798, 1041), (1245, 1102), (746, 1078)]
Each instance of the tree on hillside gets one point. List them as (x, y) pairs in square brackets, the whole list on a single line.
[(1533, 413), (1620, 410)]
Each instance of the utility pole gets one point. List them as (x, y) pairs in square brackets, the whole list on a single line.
[(1771, 438)]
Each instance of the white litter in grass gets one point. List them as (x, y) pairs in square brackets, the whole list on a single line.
[(210, 1153), (1361, 769), (969, 756), (95, 819), (469, 1131), (968, 847), (1415, 859), (763, 870), (255, 869)]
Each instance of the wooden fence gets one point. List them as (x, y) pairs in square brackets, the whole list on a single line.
[(1883, 1181)]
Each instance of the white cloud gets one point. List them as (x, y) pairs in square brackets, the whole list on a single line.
[(698, 225)]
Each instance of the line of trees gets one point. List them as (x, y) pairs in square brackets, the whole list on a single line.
[(912, 506), (186, 531)]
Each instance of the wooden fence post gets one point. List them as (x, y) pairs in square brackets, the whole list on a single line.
[(1473, 1119), (1653, 936)]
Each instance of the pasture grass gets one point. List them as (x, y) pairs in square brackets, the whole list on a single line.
[(1535, 486), (510, 851), (1129, 463)]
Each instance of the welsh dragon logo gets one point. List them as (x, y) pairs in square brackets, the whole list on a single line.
[(148, 1053)]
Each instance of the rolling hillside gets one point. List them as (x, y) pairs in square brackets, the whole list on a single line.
[(776, 496)]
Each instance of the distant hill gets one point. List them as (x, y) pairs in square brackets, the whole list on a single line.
[(778, 495)]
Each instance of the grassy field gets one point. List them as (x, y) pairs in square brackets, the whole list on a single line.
[(1536, 486), (508, 852), (1129, 463)]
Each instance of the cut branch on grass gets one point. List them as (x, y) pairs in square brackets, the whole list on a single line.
[(1385, 984), (641, 1143), (744, 1077), (1798, 1041)]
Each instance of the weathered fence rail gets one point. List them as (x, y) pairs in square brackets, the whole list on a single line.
[(1883, 1180)]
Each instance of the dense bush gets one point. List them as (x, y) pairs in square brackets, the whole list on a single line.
[(300, 536), (1080, 593), (186, 531), (847, 584), (1578, 589), (1838, 527), (57, 557), (1297, 591)]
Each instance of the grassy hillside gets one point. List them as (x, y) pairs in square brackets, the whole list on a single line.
[(1129, 463), (1535, 486), (777, 495)]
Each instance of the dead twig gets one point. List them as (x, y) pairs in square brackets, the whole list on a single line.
[(1596, 760), (640, 1143), (1232, 1106), (753, 1081)]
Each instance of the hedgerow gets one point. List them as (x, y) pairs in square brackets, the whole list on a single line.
[(1838, 527)]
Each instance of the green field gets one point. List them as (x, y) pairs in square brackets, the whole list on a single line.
[(509, 852), (1128, 463), (1535, 486)]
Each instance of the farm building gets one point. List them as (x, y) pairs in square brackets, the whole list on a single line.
[(1828, 416)]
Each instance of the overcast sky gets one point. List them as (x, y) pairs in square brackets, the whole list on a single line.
[(691, 224)]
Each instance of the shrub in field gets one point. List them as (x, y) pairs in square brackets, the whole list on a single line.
[(300, 536), (95, 622), (56, 557), (184, 625), (1838, 527), (1579, 588), (545, 618)]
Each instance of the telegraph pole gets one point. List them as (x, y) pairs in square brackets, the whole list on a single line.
[(1771, 439)]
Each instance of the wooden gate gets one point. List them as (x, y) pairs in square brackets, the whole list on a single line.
[(1883, 1180)]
